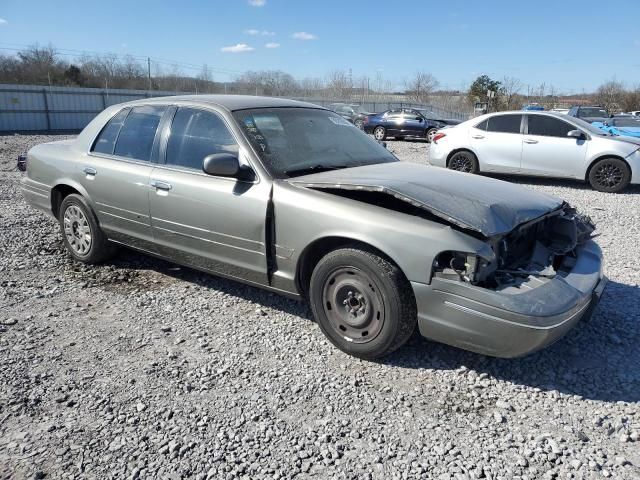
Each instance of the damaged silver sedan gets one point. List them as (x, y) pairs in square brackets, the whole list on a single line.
[(291, 197)]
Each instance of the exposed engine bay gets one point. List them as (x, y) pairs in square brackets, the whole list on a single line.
[(544, 247)]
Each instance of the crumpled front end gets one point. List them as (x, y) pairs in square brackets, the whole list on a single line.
[(543, 277)]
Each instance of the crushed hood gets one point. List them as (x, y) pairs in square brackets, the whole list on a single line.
[(491, 207)]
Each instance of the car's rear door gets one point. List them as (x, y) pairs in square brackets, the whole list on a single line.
[(214, 223), (394, 122), (497, 142), (116, 174), (548, 151)]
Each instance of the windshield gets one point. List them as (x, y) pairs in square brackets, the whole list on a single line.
[(298, 141), (593, 112), (625, 122)]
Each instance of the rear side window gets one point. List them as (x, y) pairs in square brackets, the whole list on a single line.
[(107, 138), (196, 134), (138, 132), (483, 125), (504, 123), (548, 126)]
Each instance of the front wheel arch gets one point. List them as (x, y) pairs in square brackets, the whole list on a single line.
[(317, 249), (602, 157)]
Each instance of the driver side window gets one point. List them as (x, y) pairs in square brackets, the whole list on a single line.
[(194, 135)]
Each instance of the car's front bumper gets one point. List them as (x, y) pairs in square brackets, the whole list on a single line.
[(516, 321)]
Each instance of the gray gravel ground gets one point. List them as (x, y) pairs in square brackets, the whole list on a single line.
[(142, 369)]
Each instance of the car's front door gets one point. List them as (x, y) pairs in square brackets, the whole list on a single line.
[(116, 174), (214, 223), (413, 123), (497, 142), (548, 151)]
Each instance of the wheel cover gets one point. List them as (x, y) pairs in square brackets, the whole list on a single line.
[(378, 133), (359, 123), (77, 230), (430, 135), (353, 304), (462, 163), (608, 175)]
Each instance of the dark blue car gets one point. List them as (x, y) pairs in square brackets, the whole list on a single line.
[(404, 122)]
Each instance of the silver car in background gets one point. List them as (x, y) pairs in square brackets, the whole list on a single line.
[(542, 144), (293, 198)]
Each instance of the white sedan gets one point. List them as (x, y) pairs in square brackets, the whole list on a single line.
[(543, 144)]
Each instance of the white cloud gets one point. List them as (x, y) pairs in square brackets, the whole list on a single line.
[(238, 48), (3, 21), (257, 3), (304, 36), (272, 45), (253, 31)]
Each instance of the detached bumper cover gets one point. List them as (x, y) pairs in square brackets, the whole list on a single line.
[(515, 321)]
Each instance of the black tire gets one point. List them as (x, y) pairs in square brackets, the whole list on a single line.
[(464, 161), (429, 134), (380, 133), (354, 278), (80, 221), (610, 175)]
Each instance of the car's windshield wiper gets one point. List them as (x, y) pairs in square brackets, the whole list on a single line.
[(314, 169)]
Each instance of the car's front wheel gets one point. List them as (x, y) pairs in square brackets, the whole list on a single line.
[(82, 236), (362, 302), (464, 161), (379, 133), (610, 175)]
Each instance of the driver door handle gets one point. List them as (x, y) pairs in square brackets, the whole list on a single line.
[(530, 140), (477, 137), (90, 171), (160, 185)]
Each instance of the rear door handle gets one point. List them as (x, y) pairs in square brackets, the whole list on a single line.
[(90, 171), (160, 185), (530, 140), (477, 137)]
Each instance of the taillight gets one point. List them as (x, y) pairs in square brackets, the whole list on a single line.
[(438, 136), (365, 120)]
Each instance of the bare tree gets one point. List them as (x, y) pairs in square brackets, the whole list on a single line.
[(610, 95), (420, 87), (511, 88), (339, 84)]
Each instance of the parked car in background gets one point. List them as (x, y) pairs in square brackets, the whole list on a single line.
[(534, 107), (635, 113), (354, 113), (589, 114), (404, 122), (560, 110), (542, 144), (627, 125), (289, 197)]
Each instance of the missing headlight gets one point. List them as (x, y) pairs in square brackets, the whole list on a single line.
[(462, 266)]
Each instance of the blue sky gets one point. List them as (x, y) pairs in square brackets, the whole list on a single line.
[(573, 45)]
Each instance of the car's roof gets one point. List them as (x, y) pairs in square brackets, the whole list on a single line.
[(229, 102)]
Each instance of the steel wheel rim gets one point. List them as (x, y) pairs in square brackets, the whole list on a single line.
[(358, 123), (608, 175), (462, 163), (430, 135), (77, 230), (353, 304), (378, 133)]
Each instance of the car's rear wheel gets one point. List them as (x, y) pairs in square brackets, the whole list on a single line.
[(430, 134), (82, 236), (464, 161), (362, 302), (610, 175), (379, 133), (359, 123)]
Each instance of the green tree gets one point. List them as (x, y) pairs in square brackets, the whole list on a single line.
[(479, 88)]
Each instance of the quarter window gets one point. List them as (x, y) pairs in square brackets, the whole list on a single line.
[(548, 126), (504, 123), (483, 125), (107, 138), (196, 134), (138, 132)]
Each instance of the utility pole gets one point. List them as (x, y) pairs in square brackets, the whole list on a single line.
[(149, 71)]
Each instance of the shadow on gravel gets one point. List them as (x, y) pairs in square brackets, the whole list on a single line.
[(597, 360), (557, 182)]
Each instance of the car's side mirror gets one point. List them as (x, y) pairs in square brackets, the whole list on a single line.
[(579, 134), (221, 165)]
